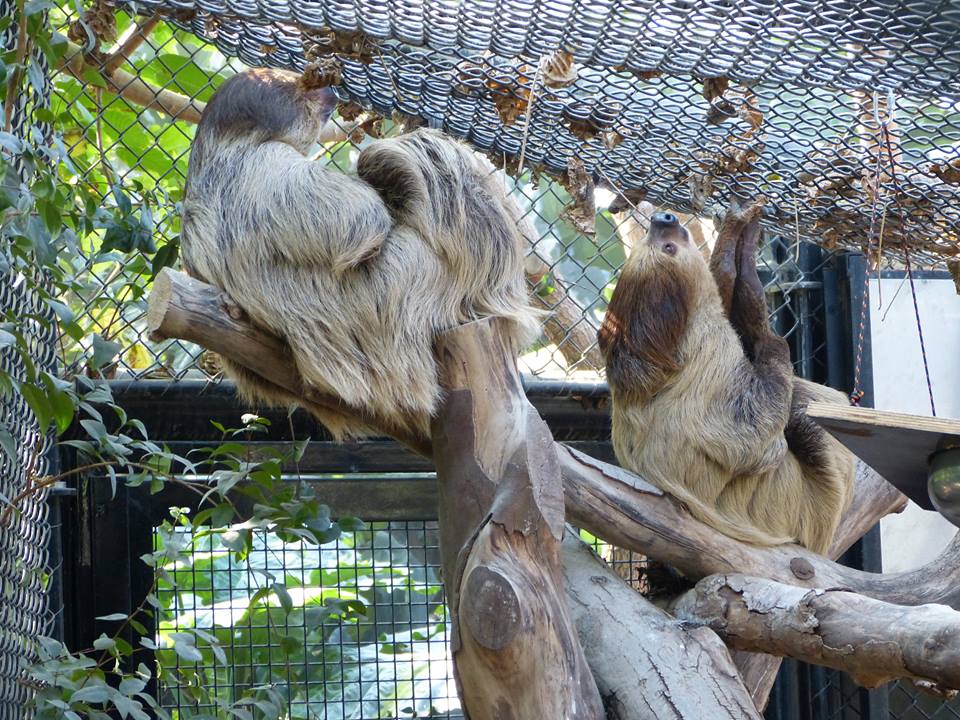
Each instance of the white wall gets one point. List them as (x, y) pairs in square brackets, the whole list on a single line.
[(915, 536)]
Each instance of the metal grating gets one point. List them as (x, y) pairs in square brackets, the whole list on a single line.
[(24, 570), (688, 103), (391, 661)]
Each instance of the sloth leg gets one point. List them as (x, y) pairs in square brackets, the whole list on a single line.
[(723, 259), (748, 307)]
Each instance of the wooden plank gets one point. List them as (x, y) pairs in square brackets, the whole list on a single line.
[(896, 445)]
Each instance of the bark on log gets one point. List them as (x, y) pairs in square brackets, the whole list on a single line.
[(515, 650), (873, 641), (647, 665), (873, 498), (629, 512)]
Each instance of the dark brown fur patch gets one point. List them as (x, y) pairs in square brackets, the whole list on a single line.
[(641, 332), (263, 103), (805, 438)]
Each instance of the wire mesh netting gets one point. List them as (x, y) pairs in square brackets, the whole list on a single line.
[(24, 535), (391, 661), (113, 137)]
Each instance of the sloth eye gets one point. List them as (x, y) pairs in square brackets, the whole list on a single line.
[(669, 248)]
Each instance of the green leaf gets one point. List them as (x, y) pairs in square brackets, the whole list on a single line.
[(8, 444), (286, 602), (11, 143), (92, 77), (39, 403), (98, 693), (113, 617), (37, 6), (104, 643), (60, 402), (165, 256), (104, 351)]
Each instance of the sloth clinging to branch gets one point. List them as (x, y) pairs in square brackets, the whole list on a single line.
[(357, 274), (705, 403)]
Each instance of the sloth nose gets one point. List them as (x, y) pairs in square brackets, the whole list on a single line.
[(664, 219)]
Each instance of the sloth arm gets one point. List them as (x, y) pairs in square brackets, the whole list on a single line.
[(318, 216), (751, 411)]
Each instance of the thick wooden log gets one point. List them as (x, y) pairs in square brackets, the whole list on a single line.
[(647, 665), (515, 650), (873, 498), (872, 641)]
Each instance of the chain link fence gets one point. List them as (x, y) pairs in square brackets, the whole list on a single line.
[(843, 115), (24, 535), (158, 63)]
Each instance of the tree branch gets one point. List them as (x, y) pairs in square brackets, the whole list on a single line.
[(645, 663), (873, 641), (133, 89), (515, 650)]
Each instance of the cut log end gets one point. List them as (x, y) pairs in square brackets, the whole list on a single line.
[(159, 303)]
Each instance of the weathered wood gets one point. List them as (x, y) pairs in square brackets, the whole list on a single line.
[(896, 445), (606, 500), (515, 650), (647, 665), (872, 499), (873, 641), (628, 512), (187, 309)]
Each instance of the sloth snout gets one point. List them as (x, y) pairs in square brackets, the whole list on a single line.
[(664, 219), (665, 229)]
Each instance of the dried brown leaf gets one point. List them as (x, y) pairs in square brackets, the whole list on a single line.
[(714, 87), (628, 200), (559, 70), (582, 212), (948, 172), (323, 72), (954, 267)]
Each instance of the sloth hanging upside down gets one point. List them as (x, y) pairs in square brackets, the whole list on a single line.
[(705, 402), (357, 274)]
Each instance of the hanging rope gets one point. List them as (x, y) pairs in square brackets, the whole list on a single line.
[(906, 255)]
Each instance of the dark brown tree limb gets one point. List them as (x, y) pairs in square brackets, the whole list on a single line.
[(873, 641), (133, 89), (515, 650), (141, 31)]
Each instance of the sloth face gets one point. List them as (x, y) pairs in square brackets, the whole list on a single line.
[(667, 245)]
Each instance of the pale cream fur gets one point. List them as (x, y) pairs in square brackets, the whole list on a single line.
[(686, 439)]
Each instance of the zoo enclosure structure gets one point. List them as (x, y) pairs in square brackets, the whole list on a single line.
[(843, 115)]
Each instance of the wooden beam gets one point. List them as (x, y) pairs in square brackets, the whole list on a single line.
[(896, 445)]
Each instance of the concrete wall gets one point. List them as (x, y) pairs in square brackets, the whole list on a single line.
[(915, 536)]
